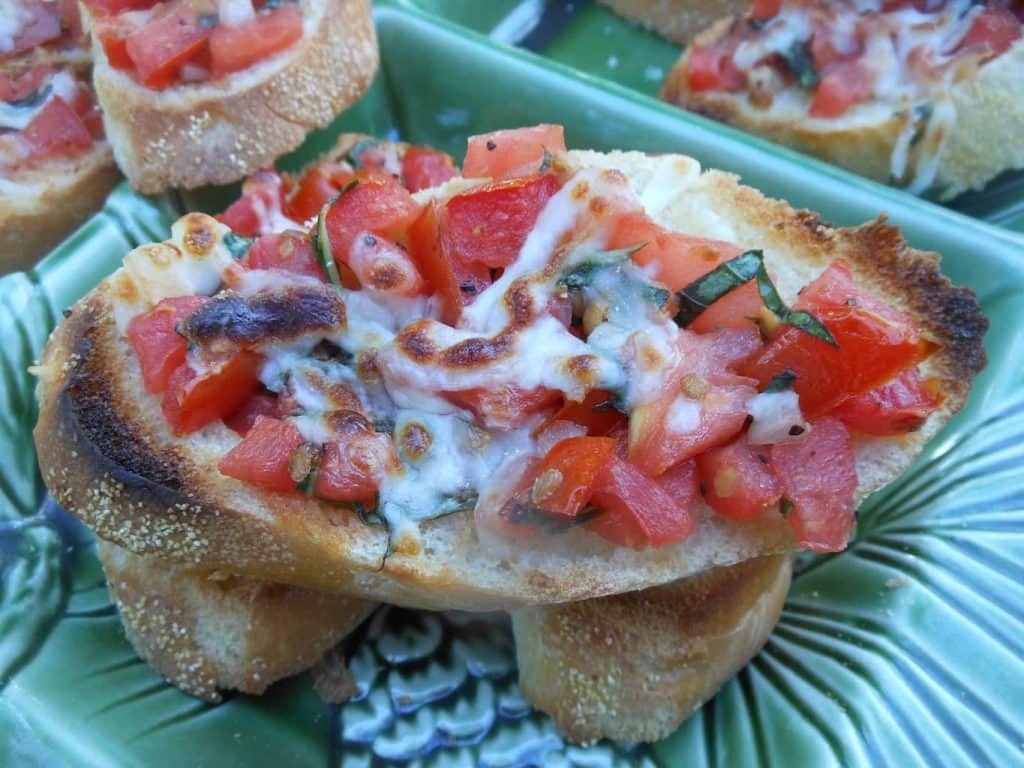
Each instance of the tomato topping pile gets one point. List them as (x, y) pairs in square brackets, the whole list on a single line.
[(167, 43), (632, 463), (834, 62)]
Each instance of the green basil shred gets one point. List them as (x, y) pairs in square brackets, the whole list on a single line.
[(237, 245), (799, 60), (781, 382), (322, 241)]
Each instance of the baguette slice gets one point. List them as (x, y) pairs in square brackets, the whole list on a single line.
[(207, 632), (635, 666), (218, 132), (40, 207), (676, 20), (107, 455), (984, 138)]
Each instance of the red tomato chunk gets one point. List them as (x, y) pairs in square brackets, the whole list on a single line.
[(262, 458)]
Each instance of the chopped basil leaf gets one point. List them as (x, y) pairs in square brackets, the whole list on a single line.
[(655, 295), (781, 382), (799, 60), (463, 501), (583, 274), (208, 21), (785, 506), (706, 290), (371, 517), (327, 350), (322, 240), (237, 245), (304, 465), (545, 164), (384, 425), (353, 155), (526, 514), (613, 403), (34, 99), (797, 318)]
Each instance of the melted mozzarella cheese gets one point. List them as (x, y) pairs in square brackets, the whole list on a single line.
[(18, 117), (14, 16), (776, 417), (233, 13)]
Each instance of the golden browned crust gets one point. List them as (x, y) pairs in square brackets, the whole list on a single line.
[(189, 136), (107, 456), (676, 20), (51, 203), (208, 633), (987, 137), (635, 666)]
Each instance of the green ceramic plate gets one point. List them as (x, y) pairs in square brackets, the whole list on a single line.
[(907, 649), (594, 41)]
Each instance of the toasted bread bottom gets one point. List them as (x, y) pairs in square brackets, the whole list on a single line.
[(206, 633), (635, 666)]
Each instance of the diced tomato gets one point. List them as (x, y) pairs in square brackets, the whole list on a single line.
[(456, 283), (263, 456), (765, 9), (682, 483), (994, 28), (238, 47), (261, 193), (712, 69), (169, 40), (511, 153), (701, 403), (259, 405), (161, 349), (380, 265), (193, 401), (679, 259), (504, 407), (423, 168), (637, 510), (491, 223), (566, 476), (843, 85), (595, 413), (113, 7), (56, 131), (13, 88), (895, 408), (352, 470), (113, 32), (43, 26), (818, 473), (377, 204), (824, 52), (314, 190), (875, 342), (290, 251), (738, 480)]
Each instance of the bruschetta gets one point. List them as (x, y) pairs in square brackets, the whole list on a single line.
[(199, 92), (480, 395), (920, 95), (676, 20), (56, 166)]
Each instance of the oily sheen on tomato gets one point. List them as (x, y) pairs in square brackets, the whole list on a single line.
[(565, 479), (874, 342), (351, 470), (261, 192), (263, 456), (423, 168), (504, 406), (377, 204), (171, 38), (159, 346), (57, 131), (843, 85), (738, 479), (510, 153), (287, 251), (895, 408), (237, 47)]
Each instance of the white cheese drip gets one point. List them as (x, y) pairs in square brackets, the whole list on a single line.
[(18, 117), (14, 15)]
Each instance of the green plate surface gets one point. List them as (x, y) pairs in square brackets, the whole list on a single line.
[(595, 42), (907, 649)]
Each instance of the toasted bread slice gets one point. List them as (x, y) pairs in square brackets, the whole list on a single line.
[(635, 666), (208, 632), (217, 132), (676, 20), (107, 454), (41, 207), (984, 137)]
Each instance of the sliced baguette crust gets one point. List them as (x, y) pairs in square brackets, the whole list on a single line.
[(40, 208), (987, 137), (106, 453), (206, 633), (191, 135), (635, 666), (676, 20)]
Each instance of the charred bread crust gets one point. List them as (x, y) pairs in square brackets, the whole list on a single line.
[(216, 133), (50, 203), (210, 520), (676, 20), (634, 666), (987, 139), (211, 632)]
